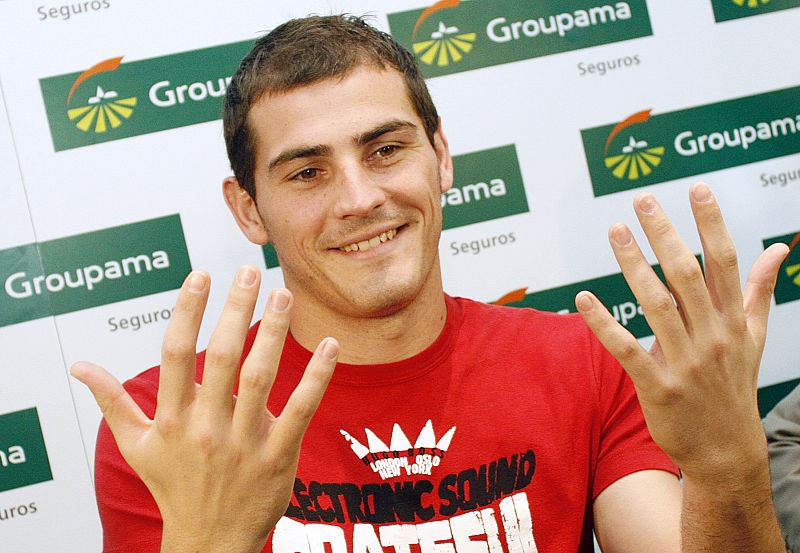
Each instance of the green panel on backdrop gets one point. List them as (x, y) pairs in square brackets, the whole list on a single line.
[(769, 396), (94, 268), (787, 287), (645, 149), (15, 304), (23, 455), (487, 185), (612, 290), (114, 100), (478, 33), (725, 10)]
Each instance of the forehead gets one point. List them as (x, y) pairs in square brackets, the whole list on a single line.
[(331, 111)]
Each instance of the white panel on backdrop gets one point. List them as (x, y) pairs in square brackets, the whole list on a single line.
[(84, 191), (45, 480)]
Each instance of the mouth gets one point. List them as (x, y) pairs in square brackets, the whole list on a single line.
[(370, 243)]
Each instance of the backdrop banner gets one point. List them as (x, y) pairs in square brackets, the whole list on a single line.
[(557, 113)]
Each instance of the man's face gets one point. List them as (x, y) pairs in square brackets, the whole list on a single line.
[(348, 188)]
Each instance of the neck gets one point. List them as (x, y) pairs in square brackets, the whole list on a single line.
[(367, 340)]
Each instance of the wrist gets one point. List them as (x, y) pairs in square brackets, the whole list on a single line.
[(181, 538), (740, 463)]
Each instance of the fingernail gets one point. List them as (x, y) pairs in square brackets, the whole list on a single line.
[(621, 235), (196, 282), (701, 193), (331, 349), (584, 302), (246, 277), (278, 301), (647, 204)]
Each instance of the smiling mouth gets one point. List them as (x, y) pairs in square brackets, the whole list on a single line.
[(365, 245)]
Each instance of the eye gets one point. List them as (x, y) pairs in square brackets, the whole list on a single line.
[(306, 174), (386, 151)]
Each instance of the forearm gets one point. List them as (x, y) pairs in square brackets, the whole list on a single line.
[(731, 511)]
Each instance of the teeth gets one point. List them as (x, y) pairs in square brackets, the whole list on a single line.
[(371, 243)]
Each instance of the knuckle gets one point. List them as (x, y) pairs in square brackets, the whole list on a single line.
[(175, 350), (688, 270), (275, 325), (737, 322), (727, 257), (627, 351), (204, 437), (660, 304), (303, 410), (670, 392), (168, 424), (719, 347), (254, 379), (713, 216), (662, 226), (239, 301), (222, 356)]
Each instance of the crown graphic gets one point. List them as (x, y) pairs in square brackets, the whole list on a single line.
[(399, 445)]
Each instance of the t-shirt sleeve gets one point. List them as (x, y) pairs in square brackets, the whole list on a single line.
[(130, 517), (625, 444)]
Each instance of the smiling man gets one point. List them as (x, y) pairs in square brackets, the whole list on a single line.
[(448, 426)]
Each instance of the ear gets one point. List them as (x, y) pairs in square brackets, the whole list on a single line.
[(442, 150), (244, 210)]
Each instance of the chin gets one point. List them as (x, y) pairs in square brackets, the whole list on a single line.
[(383, 301)]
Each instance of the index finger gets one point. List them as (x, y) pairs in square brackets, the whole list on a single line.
[(305, 399)]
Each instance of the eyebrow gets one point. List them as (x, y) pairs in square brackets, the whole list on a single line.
[(295, 153), (319, 150), (385, 128)]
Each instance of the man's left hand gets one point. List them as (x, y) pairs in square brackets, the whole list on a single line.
[(698, 383)]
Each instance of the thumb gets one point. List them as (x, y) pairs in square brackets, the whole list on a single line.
[(758, 290), (124, 417)]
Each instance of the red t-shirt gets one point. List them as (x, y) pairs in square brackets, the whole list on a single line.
[(495, 439)]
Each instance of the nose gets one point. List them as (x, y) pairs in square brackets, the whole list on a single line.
[(358, 194)]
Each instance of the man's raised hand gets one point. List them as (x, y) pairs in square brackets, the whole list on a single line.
[(220, 468), (697, 385)]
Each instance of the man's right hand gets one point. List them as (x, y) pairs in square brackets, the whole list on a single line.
[(220, 467)]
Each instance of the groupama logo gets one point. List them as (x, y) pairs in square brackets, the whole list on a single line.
[(104, 108), (692, 141), (725, 10), (787, 287), (637, 157), (750, 3), (446, 43), (116, 99), (793, 269), (450, 36)]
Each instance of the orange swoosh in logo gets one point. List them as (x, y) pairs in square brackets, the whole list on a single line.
[(635, 119), (437, 7), (111, 64), (511, 297), (795, 241)]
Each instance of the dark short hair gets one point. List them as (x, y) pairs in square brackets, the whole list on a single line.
[(304, 51)]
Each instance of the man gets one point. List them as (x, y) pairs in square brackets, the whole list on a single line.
[(448, 425), (782, 426)]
